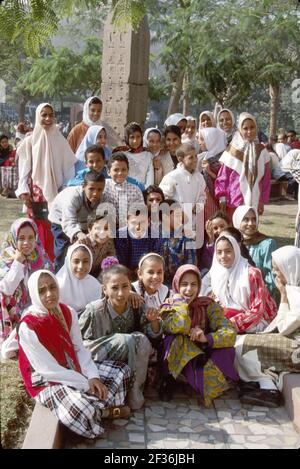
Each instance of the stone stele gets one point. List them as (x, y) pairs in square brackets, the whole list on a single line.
[(125, 71)]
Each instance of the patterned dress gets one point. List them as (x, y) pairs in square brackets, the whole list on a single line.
[(205, 367)]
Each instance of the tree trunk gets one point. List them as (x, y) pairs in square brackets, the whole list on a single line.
[(21, 108), (274, 92), (186, 99), (176, 93)]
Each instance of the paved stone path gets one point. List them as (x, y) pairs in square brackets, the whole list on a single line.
[(183, 424)]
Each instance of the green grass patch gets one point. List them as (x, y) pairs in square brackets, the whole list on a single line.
[(16, 406)]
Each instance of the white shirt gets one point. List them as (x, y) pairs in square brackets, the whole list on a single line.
[(183, 186)]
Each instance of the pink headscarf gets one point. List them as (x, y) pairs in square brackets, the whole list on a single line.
[(197, 307)]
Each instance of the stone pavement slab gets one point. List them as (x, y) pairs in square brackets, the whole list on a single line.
[(184, 424)]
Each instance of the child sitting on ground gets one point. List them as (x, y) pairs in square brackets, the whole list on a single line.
[(112, 329)]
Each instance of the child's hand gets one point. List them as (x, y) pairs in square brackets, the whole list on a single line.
[(136, 300), (260, 209), (97, 388), (80, 236), (197, 335), (209, 231), (26, 199), (153, 314), (18, 256)]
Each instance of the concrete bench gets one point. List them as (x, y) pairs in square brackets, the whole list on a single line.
[(44, 431), (278, 189), (291, 392)]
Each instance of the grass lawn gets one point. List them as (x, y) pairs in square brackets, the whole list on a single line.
[(278, 221)]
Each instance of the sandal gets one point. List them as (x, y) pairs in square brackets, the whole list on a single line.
[(120, 412)]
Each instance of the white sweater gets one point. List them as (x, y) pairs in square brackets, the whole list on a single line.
[(183, 186), (141, 167)]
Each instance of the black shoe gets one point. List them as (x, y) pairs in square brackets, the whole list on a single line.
[(262, 397), (246, 388), (166, 389)]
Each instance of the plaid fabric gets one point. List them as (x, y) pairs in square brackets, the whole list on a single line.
[(122, 196), (274, 350), (9, 177), (78, 410)]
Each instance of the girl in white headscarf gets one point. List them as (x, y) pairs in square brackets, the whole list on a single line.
[(240, 288), (244, 177), (212, 143), (190, 134), (57, 370), (262, 359), (46, 163), (77, 287), (246, 220), (177, 119), (226, 122), (92, 110), (206, 119)]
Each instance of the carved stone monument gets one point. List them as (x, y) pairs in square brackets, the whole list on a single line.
[(125, 71)]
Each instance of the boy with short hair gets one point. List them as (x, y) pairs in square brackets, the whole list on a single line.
[(94, 157), (70, 210), (118, 191)]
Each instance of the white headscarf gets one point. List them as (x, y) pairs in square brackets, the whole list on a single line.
[(89, 139), (37, 306), (146, 135), (173, 119), (231, 286), (229, 112), (240, 213), (248, 159), (86, 109), (209, 114), (74, 292), (215, 141), (287, 259), (192, 140), (51, 156)]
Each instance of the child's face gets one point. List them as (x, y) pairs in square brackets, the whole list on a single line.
[(95, 111), (190, 129), (202, 143), (190, 161), (189, 286), (135, 140), (26, 240), (154, 198), (249, 224), (48, 291), (281, 138), (225, 121), (138, 225), (118, 172), (80, 263), (47, 117), (154, 142), (172, 142), (101, 138), (4, 143), (206, 121), (225, 254), (151, 275), (100, 231), (277, 273), (95, 162), (117, 290), (218, 225), (94, 191), (182, 125), (248, 130)]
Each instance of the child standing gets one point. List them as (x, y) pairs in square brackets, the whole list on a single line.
[(244, 177), (8, 168), (46, 163), (58, 371), (111, 329), (96, 135), (140, 161), (169, 160), (206, 119), (118, 191), (92, 110)]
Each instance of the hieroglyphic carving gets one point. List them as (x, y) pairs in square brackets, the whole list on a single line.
[(125, 70)]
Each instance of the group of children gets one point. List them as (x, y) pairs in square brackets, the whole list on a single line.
[(128, 261)]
